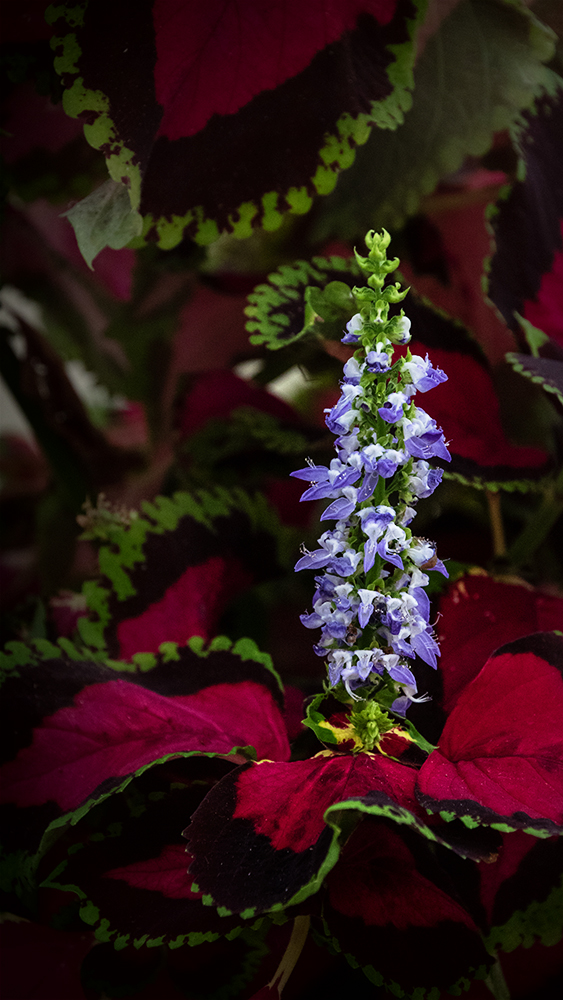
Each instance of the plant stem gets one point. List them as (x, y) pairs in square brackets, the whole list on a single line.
[(291, 954), (497, 527)]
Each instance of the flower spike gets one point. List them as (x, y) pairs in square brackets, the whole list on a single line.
[(370, 602)]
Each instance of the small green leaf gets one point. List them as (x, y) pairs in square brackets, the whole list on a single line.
[(306, 297), (534, 338), (104, 219)]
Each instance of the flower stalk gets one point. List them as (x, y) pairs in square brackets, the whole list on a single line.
[(370, 602)]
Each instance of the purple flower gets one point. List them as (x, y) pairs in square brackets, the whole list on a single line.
[(392, 409), (394, 536), (342, 507), (426, 647), (424, 480), (422, 373), (400, 330), (377, 361), (365, 611), (353, 371), (352, 330), (423, 438), (402, 675)]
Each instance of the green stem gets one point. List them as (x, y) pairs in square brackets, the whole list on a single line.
[(291, 954), (497, 527), (497, 983)]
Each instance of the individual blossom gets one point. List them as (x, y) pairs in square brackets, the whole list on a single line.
[(384, 444)]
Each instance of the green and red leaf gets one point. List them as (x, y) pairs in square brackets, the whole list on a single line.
[(259, 838), (175, 96), (389, 897), (500, 757), (522, 892), (168, 574), (268, 833), (76, 730), (132, 876)]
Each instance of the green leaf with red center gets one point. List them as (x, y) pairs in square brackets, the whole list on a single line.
[(477, 615), (343, 726), (77, 731), (168, 574), (391, 896), (175, 96), (500, 757)]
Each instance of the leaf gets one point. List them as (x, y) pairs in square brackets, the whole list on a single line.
[(467, 406), (168, 574), (278, 310), (132, 875), (546, 372), (104, 219), (77, 730), (259, 838), (477, 615), (480, 68), (522, 892), (500, 756), (175, 97), (267, 834), (524, 277), (389, 896)]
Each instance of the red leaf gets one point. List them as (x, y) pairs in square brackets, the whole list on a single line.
[(167, 874), (216, 62), (113, 729), (500, 756), (388, 897), (479, 614), (190, 606), (260, 836)]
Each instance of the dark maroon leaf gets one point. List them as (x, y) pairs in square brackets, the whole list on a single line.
[(500, 756), (467, 408), (547, 372), (479, 614), (132, 876), (521, 891), (75, 730), (282, 90), (527, 225), (389, 897)]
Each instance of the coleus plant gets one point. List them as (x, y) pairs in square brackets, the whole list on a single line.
[(410, 850), (174, 74)]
